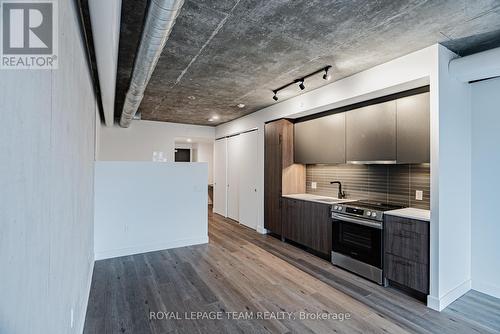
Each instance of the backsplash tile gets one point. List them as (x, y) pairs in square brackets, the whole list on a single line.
[(385, 183)]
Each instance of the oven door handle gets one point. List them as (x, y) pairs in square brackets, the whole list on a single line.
[(357, 221)]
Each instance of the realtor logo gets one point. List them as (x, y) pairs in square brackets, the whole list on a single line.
[(29, 38)]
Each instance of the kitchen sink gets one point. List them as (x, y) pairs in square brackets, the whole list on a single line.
[(327, 200)]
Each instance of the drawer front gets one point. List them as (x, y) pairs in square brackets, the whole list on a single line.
[(408, 273), (408, 245), (397, 224)]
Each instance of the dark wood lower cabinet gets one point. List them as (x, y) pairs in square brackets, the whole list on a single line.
[(408, 273), (307, 223), (291, 220), (406, 253)]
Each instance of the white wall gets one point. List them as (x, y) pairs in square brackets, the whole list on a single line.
[(204, 152), (485, 186), (450, 186), (46, 190), (142, 138), (450, 264), (147, 206)]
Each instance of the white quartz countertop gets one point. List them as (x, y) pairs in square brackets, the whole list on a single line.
[(318, 198), (412, 213)]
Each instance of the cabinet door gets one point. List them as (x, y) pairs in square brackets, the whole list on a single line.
[(272, 177), (318, 227), (406, 248), (371, 133), (292, 220), (413, 129), (220, 182), (248, 181), (233, 176), (320, 140)]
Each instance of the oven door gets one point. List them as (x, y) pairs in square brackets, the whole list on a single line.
[(358, 238)]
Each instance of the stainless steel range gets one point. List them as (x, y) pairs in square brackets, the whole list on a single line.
[(358, 237)]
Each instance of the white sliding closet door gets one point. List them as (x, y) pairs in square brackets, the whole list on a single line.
[(248, 201), (220, 180), (233, 176)]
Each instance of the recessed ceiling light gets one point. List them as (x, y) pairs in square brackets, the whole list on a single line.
[(189, 140), (191, 97), (214, 118), (241, 105)]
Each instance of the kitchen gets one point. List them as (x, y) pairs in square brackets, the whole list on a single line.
[(349, 185), (386, 134)]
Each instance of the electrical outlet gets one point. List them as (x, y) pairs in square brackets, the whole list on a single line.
[(72, 321), (314, 185), (418, 195)]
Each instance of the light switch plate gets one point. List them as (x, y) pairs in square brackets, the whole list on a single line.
[(418, 195), (314, 185)]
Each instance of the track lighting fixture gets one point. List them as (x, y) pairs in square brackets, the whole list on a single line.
[(301, 84), (326, 76)]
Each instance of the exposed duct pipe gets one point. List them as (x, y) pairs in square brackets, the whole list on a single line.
[(478, 66), (159, 22)]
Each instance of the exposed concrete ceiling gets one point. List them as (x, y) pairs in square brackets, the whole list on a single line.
[(225, 52)]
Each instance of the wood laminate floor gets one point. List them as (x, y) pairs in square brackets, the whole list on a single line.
[(259, 276)]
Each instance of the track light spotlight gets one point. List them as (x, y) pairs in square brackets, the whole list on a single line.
[(301, 84), (327, 76)]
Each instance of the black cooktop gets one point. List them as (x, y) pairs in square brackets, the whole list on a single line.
[(374, 205)]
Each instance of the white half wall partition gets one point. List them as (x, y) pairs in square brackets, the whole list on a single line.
[(147, 206)]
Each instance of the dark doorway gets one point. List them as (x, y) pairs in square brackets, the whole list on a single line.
[(182, 155)]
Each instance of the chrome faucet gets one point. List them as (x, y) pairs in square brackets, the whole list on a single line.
[(340, 194)]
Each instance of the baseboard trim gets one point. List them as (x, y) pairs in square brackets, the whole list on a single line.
[(441, 303), (486, 288), (112, 253), (87, 295), (261, 230)]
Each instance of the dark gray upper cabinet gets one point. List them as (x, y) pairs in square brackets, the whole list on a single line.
[(413, 129), (371, 133), (321, 140)]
